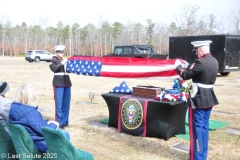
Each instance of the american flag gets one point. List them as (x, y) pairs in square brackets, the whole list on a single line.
[(122, 67), (122, 88), (84, 67)]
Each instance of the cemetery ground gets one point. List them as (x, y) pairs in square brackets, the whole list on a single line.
[(106, 143)]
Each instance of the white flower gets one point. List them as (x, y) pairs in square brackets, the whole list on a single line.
[(185, 84), (169, 97), (184, 98), (159, 95)]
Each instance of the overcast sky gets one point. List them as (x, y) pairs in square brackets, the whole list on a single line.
[(95, 11)]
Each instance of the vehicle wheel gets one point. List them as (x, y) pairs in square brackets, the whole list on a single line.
[(224, 73), (37, 59)]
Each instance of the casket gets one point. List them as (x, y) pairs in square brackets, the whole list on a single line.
[(146, 91)]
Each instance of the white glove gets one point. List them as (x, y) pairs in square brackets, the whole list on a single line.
[(177, 63), (54, 122), (185, 64), (64, 61)]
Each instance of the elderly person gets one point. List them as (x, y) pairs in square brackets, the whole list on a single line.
[(62, 87), (5, 103), (24, 113), (203, 73)]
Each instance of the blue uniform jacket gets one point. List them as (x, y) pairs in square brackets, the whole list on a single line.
[(31, 119)]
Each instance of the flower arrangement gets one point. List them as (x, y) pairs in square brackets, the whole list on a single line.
[(166, 97), (181, 86)]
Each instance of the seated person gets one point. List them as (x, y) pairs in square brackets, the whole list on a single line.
[(5, 103), (24, 113)]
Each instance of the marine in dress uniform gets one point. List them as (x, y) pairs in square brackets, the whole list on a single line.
[(61, 87), (203, 73)]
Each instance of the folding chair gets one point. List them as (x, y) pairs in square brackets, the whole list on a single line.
[(6, 143), (57, 143), (23, 143)]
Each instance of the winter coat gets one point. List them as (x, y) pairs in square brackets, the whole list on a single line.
[(31, 119), (5, 105)]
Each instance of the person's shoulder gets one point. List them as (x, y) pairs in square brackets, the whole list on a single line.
[(210, 57), (214, 60), (5, 100), (55, 59), (8, 100)]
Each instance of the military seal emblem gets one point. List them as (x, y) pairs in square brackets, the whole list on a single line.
[(132, 114)]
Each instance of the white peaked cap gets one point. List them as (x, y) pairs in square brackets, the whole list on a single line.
[(197, 44), (59, 48)]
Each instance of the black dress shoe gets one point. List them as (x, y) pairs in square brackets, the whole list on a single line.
[(61, 126), (65, 125)]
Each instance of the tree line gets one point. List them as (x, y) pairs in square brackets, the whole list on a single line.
[(99, 40)]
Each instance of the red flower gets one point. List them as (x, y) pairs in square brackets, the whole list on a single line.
[(157, 98), (181, 94), (182, 81), (174, 96), (186, 95)]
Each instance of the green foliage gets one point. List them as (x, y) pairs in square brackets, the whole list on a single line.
[(117, 29), (137, 28), (172, 28), (212, 24), (150, 31)]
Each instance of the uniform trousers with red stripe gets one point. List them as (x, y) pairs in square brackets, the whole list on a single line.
[(62, 97), (199, 125)]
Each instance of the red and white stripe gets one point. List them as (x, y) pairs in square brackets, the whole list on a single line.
[(135, 67)]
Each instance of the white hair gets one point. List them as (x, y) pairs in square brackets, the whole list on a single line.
[(205, 49), (25, 94)]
